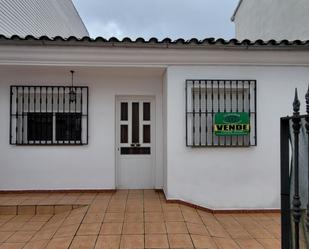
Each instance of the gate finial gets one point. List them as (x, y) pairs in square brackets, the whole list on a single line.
[(296, 103), (296, 197), (307, 100)]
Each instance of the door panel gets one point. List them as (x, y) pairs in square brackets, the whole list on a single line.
[(134, 141)]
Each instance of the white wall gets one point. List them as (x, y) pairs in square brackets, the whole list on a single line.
[(221, 178), (272, 19), (75, 167), (231, 178)]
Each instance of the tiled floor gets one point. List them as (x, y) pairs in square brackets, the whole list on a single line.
[(129, 219)]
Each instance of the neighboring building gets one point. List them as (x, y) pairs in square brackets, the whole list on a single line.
[(272, 19), (40, 17), (141, 114)]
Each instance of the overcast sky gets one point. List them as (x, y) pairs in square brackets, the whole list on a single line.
[(158, 18)]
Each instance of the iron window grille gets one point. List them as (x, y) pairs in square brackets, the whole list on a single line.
[(205, 98), (45, 115)]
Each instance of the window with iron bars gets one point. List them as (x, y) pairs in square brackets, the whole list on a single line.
[(205, 98), (48, 115)]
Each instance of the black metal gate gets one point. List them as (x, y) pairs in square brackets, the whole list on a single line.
[(295, 177)]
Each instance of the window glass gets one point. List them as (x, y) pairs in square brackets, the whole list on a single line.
[(40, 126), (124, 111), (135, 122), (146, 111), (146, 133), (68, 126), (124, 134)]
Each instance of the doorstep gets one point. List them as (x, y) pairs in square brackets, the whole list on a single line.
[(36, 209)]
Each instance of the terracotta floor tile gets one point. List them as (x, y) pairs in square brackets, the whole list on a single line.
[(180, 241), (192, 217), (48, 209), (239, 233), (5, 235), (83, 242), (152, 208), (62, 208), (32, 226), (89, 229), (108, 242), (205, 214), (249, 244), (176, 227), (79, 210), (40, 218), (66, 231), (261, 233), (132, 242), (116, 208), (12, 245), (73, 220), (132, 208), (8, 209), (6, 218), (11, 226), (270, 243), (173, 216), (134, 217), (133, 228), (217, 231), (170, 207), (224, 243), (93, 217), (111, 228), (156, 241), (21, 218), (114, 217), (97, 209), (21, 237), (38, 244), (155, 228), (153, 216), (59, 243), (203, 241), (44, 234), (198, 229), (274, 229)]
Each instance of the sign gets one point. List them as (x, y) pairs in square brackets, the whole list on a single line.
[(232, 124)]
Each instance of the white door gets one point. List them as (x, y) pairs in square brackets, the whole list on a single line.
[(135, 142)]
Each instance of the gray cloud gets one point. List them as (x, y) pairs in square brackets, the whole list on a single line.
[(158, 18)]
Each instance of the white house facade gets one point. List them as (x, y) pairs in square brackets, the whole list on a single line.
[(40, 17), (142, 114), (271, 19)]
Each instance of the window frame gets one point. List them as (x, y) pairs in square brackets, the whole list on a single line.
[(45, 99), (253, 112)]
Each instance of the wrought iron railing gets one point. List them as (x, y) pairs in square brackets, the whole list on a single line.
[(207, 97), (48, 115), (295, 178)]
